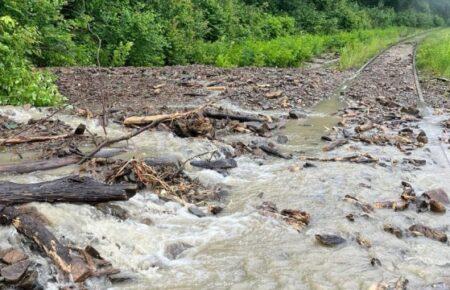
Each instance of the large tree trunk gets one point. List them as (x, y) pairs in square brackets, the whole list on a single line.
[(32, 166), (230, 116), (34, 230), (73, 189)]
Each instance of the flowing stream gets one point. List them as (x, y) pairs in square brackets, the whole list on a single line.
[(242, 249)]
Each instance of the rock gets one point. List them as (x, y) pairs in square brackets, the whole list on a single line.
[(114, 210), (174, 250), (438, 195), (215, 209), (437, 206), (326, 138), (15, 272), (13, 256), (30, 282), (430, 233), (282, 139), (196, 211), (216, 164), (309, 165), (296, 218), (268, 206), (350, 217), (393, 230), (147, 221), (274, 95), (297, 115), (330, 240), (401, 284), (375, 262), (363, 241), (410, 110), (422, 137), (121, 277)]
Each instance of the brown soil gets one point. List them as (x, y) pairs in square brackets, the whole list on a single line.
[(137, 91), (436, 91)]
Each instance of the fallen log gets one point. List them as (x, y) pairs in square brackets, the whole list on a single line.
[(32, 166), (240, 118), (216, 164), (73, 189), (24, 139), (34, 230), (274, 152), (152, 124)]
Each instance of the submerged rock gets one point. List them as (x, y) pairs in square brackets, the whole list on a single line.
[(393, 230), (196, 211), (282, 139), (14, 256), (114, 210), (436, 206), (174, 250), (330, 240), (297, 115), (15, 272), (216, 164), (438, 195), (421, 230)]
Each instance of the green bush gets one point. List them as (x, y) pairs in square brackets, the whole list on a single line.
[(19, 83)]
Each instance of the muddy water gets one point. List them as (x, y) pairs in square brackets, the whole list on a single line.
[(241, 249)]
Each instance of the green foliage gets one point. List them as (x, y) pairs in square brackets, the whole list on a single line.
[(19, 84), (434, 54), (290, 51), (170, 32)]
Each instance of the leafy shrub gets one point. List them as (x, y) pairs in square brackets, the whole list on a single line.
[(19, 83)]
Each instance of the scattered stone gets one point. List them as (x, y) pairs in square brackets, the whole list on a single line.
[(438, 195), (216, 164), (30, 282), (297, 115), (14, 256), (147, 221), (422, 137), (174, 250), (309, 165), (215, 209), (114, 210), (120, 277), (274, 95), (375, 262), (419, 230), (363, 241), (282, 139), (393, 230), (15, 272), (330, 240), (401, 284), (436, 206), (350, 217), (296, 218), (196, 211)]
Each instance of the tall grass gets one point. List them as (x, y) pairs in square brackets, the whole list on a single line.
[(434, 54), (292, 51), (368, 43)]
